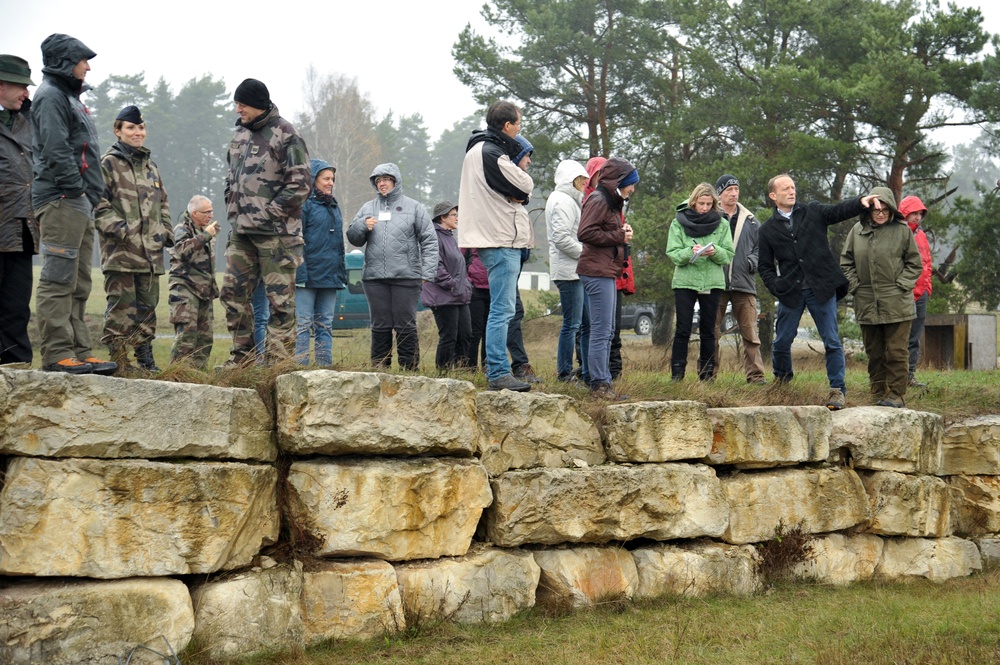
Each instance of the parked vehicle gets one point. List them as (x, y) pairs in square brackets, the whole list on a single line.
[(352, 305), (640, 318)]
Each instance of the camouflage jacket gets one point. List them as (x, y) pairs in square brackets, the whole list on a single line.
[(132, 219), (268, 179), (192, 260), (15, 184)]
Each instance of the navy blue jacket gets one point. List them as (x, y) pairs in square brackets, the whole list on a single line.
[(323, 231)]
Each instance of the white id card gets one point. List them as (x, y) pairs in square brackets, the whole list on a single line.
[(384, 215)]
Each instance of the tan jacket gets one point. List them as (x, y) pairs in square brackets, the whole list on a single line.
[(492, 195)]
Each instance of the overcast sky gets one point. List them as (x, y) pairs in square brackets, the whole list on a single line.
[(399, 50)]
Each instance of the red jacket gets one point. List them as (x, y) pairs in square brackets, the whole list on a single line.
[(906, 206), (625, 283)]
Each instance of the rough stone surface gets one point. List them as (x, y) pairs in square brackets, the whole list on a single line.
[(600, 504), (818, 500), (989, 550), (841, 559), (696, 569), (339, 413), (937, 559), (250, 612), (389, 509), (584, 576), (526, 430), (51, 414), (657, 431), (767, 436), (883, 439), (975, 504), (971, 447), (905, 505), (488, 585), (127, 518), (351, 599), (75, 623)]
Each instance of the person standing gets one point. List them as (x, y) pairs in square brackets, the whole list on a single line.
[(741, 278), (133, 224), (266, 186), (699, 245), (520, 365), (882, 264), (448, 295), (323, 271), (67, 187), (492, 195), (401, 252), (18, 228), (192, 284), (799, 269), (562, 221), (913, 211)]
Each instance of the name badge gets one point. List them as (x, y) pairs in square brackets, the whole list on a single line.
[(384, 216)]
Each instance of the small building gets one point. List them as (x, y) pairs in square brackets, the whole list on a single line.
[(534, 281), (960, 341)]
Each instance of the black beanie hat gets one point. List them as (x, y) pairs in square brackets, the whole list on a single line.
[(131, 114), (725, 182), (254, 94)]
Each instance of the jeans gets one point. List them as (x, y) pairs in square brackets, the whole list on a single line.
[(502, 267), (601, 300), (824, 314), (261, 314), (708, 305), (314, 309), (572, 300), (615, 362), (393, 308), (454, 325), (916, 332)]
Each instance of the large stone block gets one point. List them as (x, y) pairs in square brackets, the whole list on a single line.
[(250, 612), (51, 414), (340, 413), (584, 576), (841, 559), (905, 505), (600, 504), (389, 509), (79, 623), (937, 559), (753, 437), (696, 569), (487, 585), (657, 431), (350, 599), (818, 500), (975, 502), (127, 518), (971, 447), (883, 439), (989, 550), (526, 430)]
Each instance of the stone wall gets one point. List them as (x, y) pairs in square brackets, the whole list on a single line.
[(144, 512)]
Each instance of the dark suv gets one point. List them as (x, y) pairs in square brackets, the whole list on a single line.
[(640, 318)]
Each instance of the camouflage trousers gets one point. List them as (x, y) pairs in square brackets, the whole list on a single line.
[(193, 327), (250, 259), (130, 318)]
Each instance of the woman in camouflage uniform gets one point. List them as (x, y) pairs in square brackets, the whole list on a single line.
[(133, 222)]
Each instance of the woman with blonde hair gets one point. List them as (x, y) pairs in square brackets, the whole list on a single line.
[(699, 245)]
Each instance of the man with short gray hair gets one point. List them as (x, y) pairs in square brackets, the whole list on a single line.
[(192, 283)]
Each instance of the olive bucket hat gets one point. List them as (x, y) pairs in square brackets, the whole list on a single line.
[(15, 70)]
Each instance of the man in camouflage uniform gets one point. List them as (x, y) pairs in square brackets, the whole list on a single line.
[(267, 183), (192, 283)]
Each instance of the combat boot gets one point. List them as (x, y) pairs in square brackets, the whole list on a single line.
[(144, 357)]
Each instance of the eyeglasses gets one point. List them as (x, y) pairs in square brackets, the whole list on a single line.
[(881, 211), (204, 212), (384, 178)]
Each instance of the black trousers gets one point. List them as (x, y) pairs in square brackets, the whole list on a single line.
[(393, 308), (15, 309), (454, 324), (708, 306)]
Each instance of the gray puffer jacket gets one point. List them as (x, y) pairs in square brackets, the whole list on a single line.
[(401, 247)]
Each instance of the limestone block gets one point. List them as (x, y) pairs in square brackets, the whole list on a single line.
[(989, 550), (339, 413), (883, 439), (584, 576), (937, 559), (51, 414), (526, 430), (488, 585), (840, 559), (389, 509), (971, 447), (657, 431), (905, 505), (818, 500), (753, 437), (348, 599), (975, 504), (696, 569), (250, 612), (78, 623), (600, 504), (127, 518)]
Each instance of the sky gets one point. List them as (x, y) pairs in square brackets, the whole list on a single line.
[(399, 50)]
